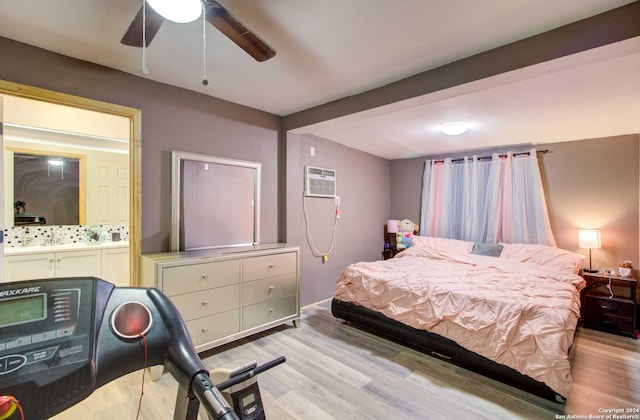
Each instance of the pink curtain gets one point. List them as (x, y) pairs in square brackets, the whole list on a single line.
[(496, 200)]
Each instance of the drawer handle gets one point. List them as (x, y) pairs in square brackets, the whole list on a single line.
[(205, 330), (270, 310), (271, 266), (271, 288), (205, 303), (609, 308), (205, 277), (609, 324)]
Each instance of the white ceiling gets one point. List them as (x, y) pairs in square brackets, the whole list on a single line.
[(30, 124), (331, 49), (589, 95)]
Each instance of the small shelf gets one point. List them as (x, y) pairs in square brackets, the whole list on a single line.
[(390, 239)]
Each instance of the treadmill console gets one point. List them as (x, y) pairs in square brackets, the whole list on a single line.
[(48, 331), (44, 327)]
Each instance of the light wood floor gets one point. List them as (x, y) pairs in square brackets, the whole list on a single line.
[(336, 371)]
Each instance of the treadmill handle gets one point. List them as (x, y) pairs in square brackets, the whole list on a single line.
[(212, 400)]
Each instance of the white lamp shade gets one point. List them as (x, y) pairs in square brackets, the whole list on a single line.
[(179, 11), (588, 238), (392, 226)]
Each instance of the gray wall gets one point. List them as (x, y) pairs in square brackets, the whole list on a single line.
[(363, 187), (594, 184), (172, 118), (589, 184)]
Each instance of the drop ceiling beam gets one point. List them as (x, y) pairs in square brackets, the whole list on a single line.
[(606, 28)]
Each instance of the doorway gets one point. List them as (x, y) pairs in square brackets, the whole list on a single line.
[(134, 118)]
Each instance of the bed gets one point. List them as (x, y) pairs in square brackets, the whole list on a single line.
[(508, 311)]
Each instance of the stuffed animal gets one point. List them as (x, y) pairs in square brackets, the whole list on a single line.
[(404, 237)]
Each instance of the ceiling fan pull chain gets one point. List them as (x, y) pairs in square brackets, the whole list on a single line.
[(205, 82), (143, 69)]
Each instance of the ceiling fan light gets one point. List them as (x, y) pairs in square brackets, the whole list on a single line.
[(454, 128), (178, 11)]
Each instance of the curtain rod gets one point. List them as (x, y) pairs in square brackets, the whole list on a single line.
[(502, 155)]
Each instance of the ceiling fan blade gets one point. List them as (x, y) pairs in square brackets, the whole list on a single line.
[(237, 32), (133, 36)]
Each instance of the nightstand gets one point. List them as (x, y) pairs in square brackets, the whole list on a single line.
[(388, 253), (389, 239), (390, 245), (603, 312)]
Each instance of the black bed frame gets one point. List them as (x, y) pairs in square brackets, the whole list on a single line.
[(440, 347)]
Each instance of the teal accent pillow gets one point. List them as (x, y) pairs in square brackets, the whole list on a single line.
[(490, 250)]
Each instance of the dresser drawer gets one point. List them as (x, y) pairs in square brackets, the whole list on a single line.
[(271, 310), (194, 277), (210, 328), (269, 266), (207, 302), (270, 288), (600, 306)]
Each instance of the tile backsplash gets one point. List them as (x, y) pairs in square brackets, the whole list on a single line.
[(44, 235)]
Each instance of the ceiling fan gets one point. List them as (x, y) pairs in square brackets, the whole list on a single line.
[(216, 15)]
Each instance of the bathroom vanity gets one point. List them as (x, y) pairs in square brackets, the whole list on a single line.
[(108, 261)]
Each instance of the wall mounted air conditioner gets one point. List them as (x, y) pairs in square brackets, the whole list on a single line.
[(319, 182)]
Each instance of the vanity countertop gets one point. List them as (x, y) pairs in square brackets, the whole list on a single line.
[(38, 249)]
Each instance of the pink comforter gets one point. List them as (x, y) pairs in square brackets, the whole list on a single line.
[(516, 314)]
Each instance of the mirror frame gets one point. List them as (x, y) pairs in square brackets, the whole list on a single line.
[(177, 159), (135, 154)]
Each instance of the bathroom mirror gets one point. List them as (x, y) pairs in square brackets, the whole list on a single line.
[(46, 189), (215, 202)]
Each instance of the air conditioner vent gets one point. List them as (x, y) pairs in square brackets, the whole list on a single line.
[(319, 182)]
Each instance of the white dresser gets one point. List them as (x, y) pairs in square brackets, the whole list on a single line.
[(229, 293)]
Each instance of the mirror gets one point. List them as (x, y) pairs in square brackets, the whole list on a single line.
[(91, 145), (215, 202), (46, 189)]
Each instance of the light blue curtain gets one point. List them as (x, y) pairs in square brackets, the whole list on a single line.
[(495, 200)]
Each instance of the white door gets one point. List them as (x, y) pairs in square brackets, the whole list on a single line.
[(1, 194)]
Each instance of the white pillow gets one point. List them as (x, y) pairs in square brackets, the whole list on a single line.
[(443, 244), (563, 261)]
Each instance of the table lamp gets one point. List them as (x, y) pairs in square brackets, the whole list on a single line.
[(589, 238), (392, 226)]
